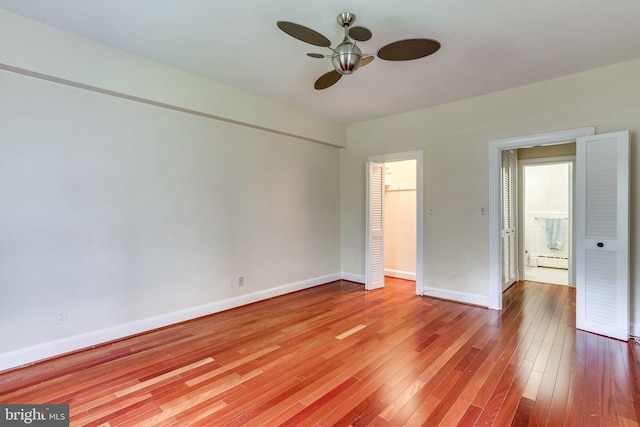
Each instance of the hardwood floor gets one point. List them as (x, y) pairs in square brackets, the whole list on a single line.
[(337, 355)]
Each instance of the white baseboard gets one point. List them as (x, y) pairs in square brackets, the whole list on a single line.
[(358, 278), (47, 350), (464, 297), (399, 274)]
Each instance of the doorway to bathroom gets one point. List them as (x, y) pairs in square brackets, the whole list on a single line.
[(600, 233), (546, 227)]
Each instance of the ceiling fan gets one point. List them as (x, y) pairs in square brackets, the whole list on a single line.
[(347, 57)]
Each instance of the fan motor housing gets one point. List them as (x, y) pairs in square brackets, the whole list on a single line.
[(346, 57)]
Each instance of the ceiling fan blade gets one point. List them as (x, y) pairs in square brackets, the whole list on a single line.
[(304, 34), (360, 34), (405, 50), (328, 79), (366, 60), (315, 55)]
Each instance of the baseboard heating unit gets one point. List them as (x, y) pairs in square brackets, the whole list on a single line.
[(549, 262)]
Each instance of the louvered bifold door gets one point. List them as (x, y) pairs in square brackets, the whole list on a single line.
[(602, 234), (509, 242), (375, 226)]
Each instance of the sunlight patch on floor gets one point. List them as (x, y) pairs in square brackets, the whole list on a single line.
[(547, 275)]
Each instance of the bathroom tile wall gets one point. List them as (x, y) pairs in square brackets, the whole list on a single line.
[(535, 236)]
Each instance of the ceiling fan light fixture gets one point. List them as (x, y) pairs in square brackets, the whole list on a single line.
[(346, 58)]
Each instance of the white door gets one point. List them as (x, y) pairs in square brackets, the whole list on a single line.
[(602, 234), (375, 226), (509, 217)]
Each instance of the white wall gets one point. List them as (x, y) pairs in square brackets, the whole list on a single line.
[(454, 139), (546, 188), (131, 216)]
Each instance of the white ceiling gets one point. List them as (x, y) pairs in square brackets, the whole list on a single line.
[(487, 45)]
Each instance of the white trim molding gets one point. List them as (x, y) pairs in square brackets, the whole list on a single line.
[(50, 349), (455, 296), (358, 278), (399, 274)]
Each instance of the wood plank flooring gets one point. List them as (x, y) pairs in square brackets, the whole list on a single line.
[(338, 355)]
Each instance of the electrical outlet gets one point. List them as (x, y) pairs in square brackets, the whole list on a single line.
[(454, 278), (230, 283), (241, 281), (61, 317)]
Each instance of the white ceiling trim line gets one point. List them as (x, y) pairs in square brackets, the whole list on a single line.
[(147, 101)]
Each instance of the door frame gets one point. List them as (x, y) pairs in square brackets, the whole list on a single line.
[(495, 148), (418, 156)]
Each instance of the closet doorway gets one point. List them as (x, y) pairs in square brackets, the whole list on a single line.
[(400, 221), (384, 181)]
